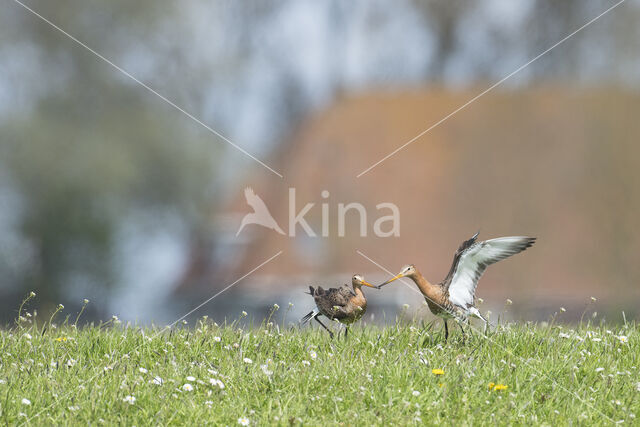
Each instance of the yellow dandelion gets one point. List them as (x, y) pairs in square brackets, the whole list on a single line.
[(441, 385), (437, 372), (60, 339), (499, 387), (491, 386)]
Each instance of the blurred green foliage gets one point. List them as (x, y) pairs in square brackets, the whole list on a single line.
[(96, 149)]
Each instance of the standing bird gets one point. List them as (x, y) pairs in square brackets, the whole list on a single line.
[(260, 214), (455, 295), (342, 304)]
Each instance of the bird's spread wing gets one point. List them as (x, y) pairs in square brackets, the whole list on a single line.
[(254, 200), (456, 259), (472, 259)]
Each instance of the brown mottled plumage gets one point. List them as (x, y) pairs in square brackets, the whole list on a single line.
[(455, 295), (342, 304)]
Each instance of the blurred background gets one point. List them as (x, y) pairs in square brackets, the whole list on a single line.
[(109, 193)]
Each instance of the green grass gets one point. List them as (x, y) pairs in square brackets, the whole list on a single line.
[(380, 375)]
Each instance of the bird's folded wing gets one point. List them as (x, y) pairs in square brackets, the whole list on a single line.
[(333, 302), (332, 296), (474, 260), (341, 296)]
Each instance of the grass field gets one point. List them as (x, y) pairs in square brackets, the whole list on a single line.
[(404, 374)]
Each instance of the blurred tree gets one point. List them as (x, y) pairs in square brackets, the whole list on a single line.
[(96, 149), (443, 18)]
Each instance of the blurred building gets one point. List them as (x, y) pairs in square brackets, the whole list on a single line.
[(548, 162)]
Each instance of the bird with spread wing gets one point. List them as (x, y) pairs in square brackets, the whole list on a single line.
[(260, 215), (455, 296)]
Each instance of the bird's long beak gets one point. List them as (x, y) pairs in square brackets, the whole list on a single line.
[(369, 285), (399, 276)]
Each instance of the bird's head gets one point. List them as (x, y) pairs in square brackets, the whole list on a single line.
[(357, 281), (406, 271)]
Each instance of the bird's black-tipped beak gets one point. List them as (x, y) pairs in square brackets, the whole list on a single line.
[(390, 280)]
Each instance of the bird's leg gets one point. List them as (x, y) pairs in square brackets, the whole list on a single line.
[(322, 324), (446, 331), (346, 332), (462, 329)]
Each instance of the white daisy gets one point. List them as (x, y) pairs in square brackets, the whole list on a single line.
[(216, 382), (187, 387), (247, 360), (26, 401), (129, 399), (244, 421)]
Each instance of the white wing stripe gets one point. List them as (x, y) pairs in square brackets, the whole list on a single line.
[(475, 260)]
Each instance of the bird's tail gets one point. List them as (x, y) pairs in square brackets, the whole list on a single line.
[(475, 312), (309, 316)]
